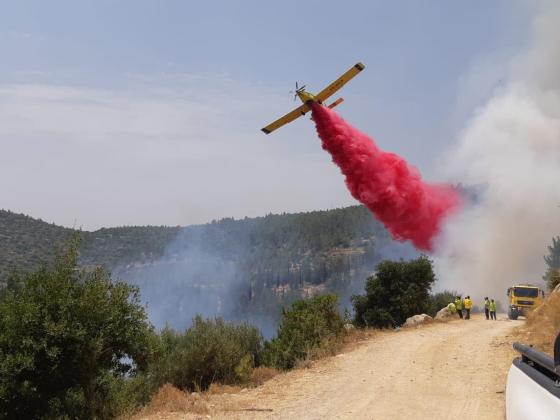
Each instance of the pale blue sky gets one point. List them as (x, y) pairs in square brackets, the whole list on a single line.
[(148, 112)]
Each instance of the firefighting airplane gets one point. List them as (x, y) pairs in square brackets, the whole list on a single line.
[(307, 98)]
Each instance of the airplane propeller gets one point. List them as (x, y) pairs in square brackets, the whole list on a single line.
[(298, 89)]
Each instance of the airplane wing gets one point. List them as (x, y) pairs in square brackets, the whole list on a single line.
[(341, 81), (298, 112)]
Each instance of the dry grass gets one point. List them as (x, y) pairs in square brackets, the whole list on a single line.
[(542, 325), (262, 374), (218, 389), (329, 347), (169, 399), (347, 342), (354, 338)]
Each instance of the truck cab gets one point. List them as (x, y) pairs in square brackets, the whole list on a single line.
[(522, 299)]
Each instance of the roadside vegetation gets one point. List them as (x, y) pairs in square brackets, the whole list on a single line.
[(69, 341), (211, 350), (76, 344), (397, 290), (311, 327)]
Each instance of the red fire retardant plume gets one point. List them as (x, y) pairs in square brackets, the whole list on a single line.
[(385, 183)]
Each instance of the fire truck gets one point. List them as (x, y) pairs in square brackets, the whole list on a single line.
[(522, 299)]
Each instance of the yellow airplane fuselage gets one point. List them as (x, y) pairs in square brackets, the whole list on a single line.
[(306, 97)]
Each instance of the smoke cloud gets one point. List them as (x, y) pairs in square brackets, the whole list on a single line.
[(198, 275), (385, 183), (512, 147)]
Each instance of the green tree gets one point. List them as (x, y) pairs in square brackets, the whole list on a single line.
[(552, 275), (308, 325), (66, 336), (397, 290)]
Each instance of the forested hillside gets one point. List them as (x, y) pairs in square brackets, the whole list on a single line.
[(26, 242), (239, 269)]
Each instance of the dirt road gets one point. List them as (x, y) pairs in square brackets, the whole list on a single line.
[(443, 370)]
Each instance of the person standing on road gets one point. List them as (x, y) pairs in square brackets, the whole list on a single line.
[(492, 307), (487, 308), (468, 306), (459, 306)]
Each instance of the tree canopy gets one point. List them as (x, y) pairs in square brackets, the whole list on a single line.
[(397, 290), (65, 335)]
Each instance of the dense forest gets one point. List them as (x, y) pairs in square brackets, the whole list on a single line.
[(239, 269)]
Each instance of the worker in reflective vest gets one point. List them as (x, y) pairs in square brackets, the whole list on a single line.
[(451, 307), (487, 308), (492, 307), (459, 306), (468, 307)]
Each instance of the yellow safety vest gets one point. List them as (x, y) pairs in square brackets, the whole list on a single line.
[(468, 304), (492, 306), (459, 304)]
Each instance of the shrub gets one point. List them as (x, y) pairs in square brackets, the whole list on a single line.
[(397, 290), (210, 350), (440, 300), (67, 336), (309, 325)]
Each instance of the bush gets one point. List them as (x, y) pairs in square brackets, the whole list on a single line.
[(309, 325), (67, 336), (397, 290), (211, 350), (440, 300)]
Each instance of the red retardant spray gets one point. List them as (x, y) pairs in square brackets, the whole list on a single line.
[(385, 183)]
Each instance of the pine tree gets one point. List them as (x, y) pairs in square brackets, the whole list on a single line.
[(552, 275)]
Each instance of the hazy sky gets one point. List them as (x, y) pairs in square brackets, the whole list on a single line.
[(149, 112)]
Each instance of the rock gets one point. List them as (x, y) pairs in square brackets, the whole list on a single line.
[(444, 314), (349, 327), (416, 320)]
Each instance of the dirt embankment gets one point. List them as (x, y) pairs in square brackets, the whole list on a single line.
[(543, 324), (442, 370)]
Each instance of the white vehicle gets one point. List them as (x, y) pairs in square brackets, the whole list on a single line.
[(533, 384)]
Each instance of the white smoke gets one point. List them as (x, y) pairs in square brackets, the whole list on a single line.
[(512, 147)]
